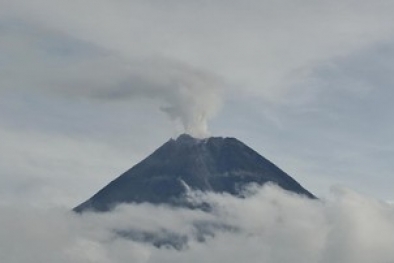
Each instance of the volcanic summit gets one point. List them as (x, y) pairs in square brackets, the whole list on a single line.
[(216, 164)]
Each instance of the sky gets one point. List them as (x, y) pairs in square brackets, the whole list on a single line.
[(90, 88)]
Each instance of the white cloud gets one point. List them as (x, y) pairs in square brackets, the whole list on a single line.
[(273, 226)]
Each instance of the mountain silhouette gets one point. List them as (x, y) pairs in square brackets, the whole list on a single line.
[(216, 164)]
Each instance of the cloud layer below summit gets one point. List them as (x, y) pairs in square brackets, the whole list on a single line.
[(269, 226)]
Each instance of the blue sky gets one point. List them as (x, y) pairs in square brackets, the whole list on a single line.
[(309, 85)]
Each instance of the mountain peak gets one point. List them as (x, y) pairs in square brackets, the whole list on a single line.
[(217, 164), (188, 139)]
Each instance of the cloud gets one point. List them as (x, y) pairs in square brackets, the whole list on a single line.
[(184, 93), (46, 61), (262, 48), (272, 226)]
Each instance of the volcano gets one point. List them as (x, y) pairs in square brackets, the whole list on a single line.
[(216, 164)]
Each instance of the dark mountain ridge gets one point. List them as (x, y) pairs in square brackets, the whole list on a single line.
[(216, 164)]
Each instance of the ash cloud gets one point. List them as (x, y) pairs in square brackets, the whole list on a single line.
[(272, 226)]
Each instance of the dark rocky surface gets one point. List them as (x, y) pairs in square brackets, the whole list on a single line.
[(222, 165)]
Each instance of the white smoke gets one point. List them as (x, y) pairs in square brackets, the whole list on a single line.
[(185, 94), (270, 226), (190, 96)]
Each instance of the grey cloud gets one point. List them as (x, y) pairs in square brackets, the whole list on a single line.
[(258, 46), (185, 93)]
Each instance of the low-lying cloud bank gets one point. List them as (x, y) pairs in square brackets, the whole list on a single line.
[(268, 226)]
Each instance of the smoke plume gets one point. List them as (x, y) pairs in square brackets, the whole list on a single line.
[(187, 95)]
